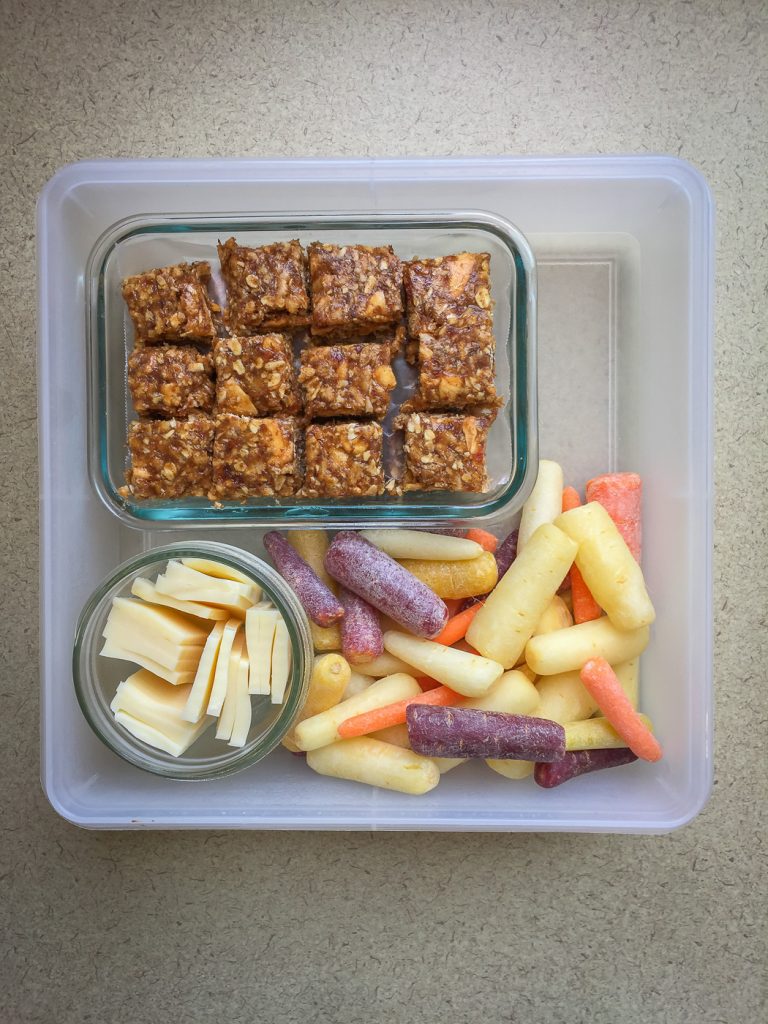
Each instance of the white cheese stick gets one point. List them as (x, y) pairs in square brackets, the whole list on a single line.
[(243, 712), (415, 544), (227, 716), (200, 693), (162, 624), (187, 584), (281, 662), (260, 625), (221, 673)]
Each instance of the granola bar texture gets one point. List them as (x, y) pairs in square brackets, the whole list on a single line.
[(170, 380), (170, 304), (344, 460), (266, 286), (444, 452), (254, 457), (170, 458), (255, 375), (356, 289), (346, 380)]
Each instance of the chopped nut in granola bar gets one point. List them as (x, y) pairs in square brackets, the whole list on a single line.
[(170, 380), (255, 375), (254, 457), (444, 453), (267, 287), (170, 304), (346, 380), (170, 458), (356, 289), (344, 460), (452, 290)]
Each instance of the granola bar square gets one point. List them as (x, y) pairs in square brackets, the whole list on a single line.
[(356, 289), (457, 368), (444, 452), (346, 380), (266, 287), (170, 304), (344, 460), (170, 381), (170, 458), (254, 457), (451, 290), (255, 375)]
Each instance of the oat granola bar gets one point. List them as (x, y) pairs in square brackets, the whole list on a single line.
[(170, 380), (170, 458), (266, 287), (344, 460), (456, 368), (254, 457), (356, 289), (346, 380), (451, 290), (170, 304), (444, 452), (255, 375)]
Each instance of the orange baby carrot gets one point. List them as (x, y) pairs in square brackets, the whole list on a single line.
[(453, 604), (585, 607), (486, 540), (394, 714), (620, 494), (427, 683), (600, 680), (456, 628)]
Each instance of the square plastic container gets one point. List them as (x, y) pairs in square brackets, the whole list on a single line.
[(137, 244), (624, 254)]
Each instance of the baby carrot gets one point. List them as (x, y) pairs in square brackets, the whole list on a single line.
[(483, 538), (456, 628), (601, 682), (394, 714), (453, 604), (585, 607), (620, 494), (427, 682)]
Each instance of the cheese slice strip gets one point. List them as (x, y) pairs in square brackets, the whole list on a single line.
[(147, 591), (171, 656), (163, 624), (200, 693), (187, 584), (221, 674), (281, 662), (243, 711), (227, 716), (176, 744), (177, 678), (260, 626), (217, 569)]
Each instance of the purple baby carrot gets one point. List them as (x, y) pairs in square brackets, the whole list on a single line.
[(318, 601)]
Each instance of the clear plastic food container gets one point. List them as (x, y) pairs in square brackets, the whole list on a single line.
[(624, 254), (136, 244), (96, 678)]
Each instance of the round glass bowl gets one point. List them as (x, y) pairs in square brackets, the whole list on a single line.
[(96, 678)]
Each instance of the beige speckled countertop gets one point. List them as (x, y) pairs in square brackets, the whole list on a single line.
[(419, 928)]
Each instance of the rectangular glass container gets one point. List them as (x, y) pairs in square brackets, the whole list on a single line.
[(137, 244)]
